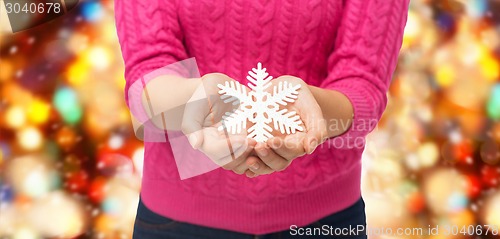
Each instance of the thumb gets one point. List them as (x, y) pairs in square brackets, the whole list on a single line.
[(195, 139), (195, 112), (316, 131)]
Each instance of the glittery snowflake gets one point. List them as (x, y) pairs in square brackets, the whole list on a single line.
[(259, 106)]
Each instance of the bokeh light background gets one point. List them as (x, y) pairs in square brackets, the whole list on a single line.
[(70, 165)]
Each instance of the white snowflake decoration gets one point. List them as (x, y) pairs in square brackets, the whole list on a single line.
[(259, 106)]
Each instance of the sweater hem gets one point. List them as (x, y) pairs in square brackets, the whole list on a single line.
[(170, 199)]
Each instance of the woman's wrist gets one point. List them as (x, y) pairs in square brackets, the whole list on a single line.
[(167, 92), (337, 110)]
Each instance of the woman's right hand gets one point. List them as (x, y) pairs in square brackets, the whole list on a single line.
[(202, 118)]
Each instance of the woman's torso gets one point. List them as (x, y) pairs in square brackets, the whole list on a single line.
[(289, 37)]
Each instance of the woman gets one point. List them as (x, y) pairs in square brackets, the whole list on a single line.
[(342, 53)]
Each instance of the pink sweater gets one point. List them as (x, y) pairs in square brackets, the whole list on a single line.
[(346, 45)]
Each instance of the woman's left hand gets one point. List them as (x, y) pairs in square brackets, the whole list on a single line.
[(278, 152)]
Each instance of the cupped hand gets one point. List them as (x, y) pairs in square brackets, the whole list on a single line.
[(201, 124), (278, 152)]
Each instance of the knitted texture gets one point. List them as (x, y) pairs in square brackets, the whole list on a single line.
[(346, 45)]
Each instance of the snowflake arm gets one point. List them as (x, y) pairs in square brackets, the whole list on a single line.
[(233, 92), (285, 92), (259, 79), (260, 131), (234, 122), (287, 121), (260, 107)]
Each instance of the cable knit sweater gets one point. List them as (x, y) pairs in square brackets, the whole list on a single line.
[(346, 45)]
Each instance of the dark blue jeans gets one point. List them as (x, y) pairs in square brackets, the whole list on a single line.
[(347, 223)]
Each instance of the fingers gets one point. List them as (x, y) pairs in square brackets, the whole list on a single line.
[(310, 113), (270, 159), (289, 147), (257, 166), (199, 110), (275, 155), (231, 160), (241, 166), (316, 134), (315, 125), (195, 139), (236, 162), (250, 174), (222, 149), (194, 116)]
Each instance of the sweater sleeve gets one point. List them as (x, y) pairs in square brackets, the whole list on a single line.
[(364, 58), (150, 38)]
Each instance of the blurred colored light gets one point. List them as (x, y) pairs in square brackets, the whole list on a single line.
[(92, 11), (32, 175), (78, 181), (54, 180), (114, 164), (490, 152), (407, 187), (30, 138), (495, 132), (78, 73), (457, 202), (473, 186), (489, 66), (111, 205), (7, 70), (445, 191), (459, 152), (445, 21), (462, 219), (412, 29), (77, 43), (120, 81), (25, 233), (5, 150), (109, 32), (104, 225), (491, 209), (51, 149), (6, 193), (38, 111), (124, 115), (493, 106), (476, 8), (115, 142), (66, 137), (15, 117), (58, 215), (490, 175), (445, 75), (99, 57), (138, 159), (490, 38), (416, 202), (428, 154), (66, 102), (471, 54), (36, 184), (97, 189)]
